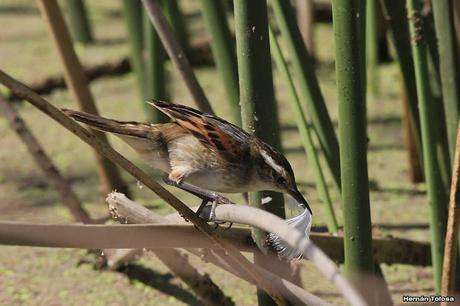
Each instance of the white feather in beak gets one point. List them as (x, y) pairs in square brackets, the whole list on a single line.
[(302, 223)]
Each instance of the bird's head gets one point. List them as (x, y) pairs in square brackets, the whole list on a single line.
[(276, 173)]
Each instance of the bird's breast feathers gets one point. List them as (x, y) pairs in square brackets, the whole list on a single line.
[(197, 164)]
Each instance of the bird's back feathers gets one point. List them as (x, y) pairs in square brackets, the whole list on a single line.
[(215, 133)]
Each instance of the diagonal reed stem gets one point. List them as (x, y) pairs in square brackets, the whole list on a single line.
[(453, 224), (78, 87), (104, 149), (176, 54), (305, 134), (309, 86)]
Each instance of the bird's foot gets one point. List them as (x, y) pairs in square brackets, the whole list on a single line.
[(209, 214), (206, 196)]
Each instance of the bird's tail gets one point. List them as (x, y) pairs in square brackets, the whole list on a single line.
[(302, 223), (129, 128)]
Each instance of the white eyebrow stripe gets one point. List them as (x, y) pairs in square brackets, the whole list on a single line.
[(269, 160)]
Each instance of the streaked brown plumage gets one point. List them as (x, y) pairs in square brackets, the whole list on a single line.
[(203, 150)]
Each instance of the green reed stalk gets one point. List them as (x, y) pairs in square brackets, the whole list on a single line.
[(223, 50), (80, 26), (305, 134), (132, 10), (177, 21), (372, 53), (445, 32), (258, 108), (436, 193), (397, 20), (154, 72), (303, 67), (350, 61)]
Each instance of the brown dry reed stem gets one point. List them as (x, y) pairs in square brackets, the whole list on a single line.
[(294, 238), (306, 21), (54, 177), (386, 250), (78, 87), (171, 236), (176, 54), (150, 236), (202, 285), (410, 139), (453, 224), (104, 149), (134, 213), (266, 221)]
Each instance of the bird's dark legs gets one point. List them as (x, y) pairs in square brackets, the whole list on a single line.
[(206, 196)]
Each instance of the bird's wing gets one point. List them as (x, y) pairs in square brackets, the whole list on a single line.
[(213, 132)]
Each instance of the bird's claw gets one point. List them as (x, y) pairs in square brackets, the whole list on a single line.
[(212, 214), (216, 200)]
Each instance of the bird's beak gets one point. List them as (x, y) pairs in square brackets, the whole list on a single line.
[(295, 193)]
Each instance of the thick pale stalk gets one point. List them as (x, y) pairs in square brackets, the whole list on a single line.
[(436, 194), (445, 32), (223, 50), (306, 135), (302, 64), (348, 31), (79, 90)]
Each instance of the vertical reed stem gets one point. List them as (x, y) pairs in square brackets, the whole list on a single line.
[(223, 50), (372, 56), (79, 22), (445, 32), (79, 90), (309, 87), (132, 10), (154, 72), (397, 21), (350, 58), (436, 194), (258, 109)]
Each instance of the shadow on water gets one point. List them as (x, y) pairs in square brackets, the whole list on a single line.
[(160, 282)]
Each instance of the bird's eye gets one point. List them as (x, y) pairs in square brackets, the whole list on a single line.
[(280, 180)]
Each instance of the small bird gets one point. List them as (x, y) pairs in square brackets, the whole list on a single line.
[(207, 153)]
